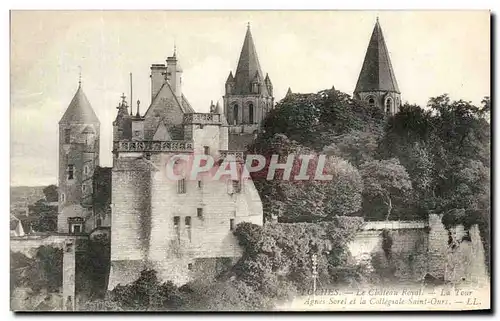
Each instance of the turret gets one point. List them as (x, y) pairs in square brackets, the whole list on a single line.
[(78, 157)]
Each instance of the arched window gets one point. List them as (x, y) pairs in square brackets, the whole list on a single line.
[(235, 113), (371, 102), (250, 113), (388, 106), (62, 197)]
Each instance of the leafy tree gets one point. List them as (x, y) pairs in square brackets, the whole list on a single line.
[(313, 120), (43, 216), (147, 293), (385, 179), (355, 146), (51, 194), (280, 253), (311, 199), (42, 272)]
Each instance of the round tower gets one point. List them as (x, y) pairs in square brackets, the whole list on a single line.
[(78, 157)]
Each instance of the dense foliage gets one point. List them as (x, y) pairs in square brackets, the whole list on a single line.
[(42, 272), (276, 264), (433, 159)]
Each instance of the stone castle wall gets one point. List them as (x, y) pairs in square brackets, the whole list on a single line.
[(420, 248)]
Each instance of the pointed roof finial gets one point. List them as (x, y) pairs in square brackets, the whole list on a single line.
[(123, 98), (138, 104), (248, 25), (79, 76), (377, 18), (175, 49)]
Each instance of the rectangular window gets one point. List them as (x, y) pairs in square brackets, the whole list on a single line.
[(187, 221), (67, 135), (177, 220), (199, 212), (190, 266), (206, 150), (200, 184), (77, 228), (71, 171), (231, 224), (181, 186), (236, 186)]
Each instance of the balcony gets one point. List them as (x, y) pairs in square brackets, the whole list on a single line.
[(153, 146)]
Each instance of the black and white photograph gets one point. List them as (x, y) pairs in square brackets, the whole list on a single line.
[(251, 160)]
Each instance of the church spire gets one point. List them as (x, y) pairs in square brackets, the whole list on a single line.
[(377, 73), (248, 68)]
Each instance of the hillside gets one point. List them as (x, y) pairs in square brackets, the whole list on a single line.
[(21, 196)]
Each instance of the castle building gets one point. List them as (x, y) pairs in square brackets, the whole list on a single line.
[(78, 159), (377, 83), (248, 96), (181, 228)]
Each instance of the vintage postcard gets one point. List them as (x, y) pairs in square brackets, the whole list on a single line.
[(250, 160)]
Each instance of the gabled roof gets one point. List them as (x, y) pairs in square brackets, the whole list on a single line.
[(184, 105), (79, 110), (248, 68), (377, 73)]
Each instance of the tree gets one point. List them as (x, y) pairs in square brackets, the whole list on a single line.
[(43, 216), (51, 194), (355, 146), (147, 293), (314, 119), (385, 179), (306, 200)]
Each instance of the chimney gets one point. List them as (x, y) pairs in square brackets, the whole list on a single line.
[(158, 72), (174, 75)]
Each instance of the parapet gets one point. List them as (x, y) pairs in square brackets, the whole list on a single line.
[(202, 119), (153, 146)]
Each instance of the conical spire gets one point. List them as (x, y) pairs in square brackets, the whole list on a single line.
[(230, 78), (289, 92), (79, 110), (377, 73), (218, 109), (248, 67)]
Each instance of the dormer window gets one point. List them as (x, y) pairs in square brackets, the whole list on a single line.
[(255, 88)]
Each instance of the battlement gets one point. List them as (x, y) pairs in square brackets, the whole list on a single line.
[(153, 146), (202, 119)]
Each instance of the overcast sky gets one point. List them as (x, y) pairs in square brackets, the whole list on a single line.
[(431, 52)]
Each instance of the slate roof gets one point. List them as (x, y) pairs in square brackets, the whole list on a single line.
[(248, 68), (79, 110), (377, 73)]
